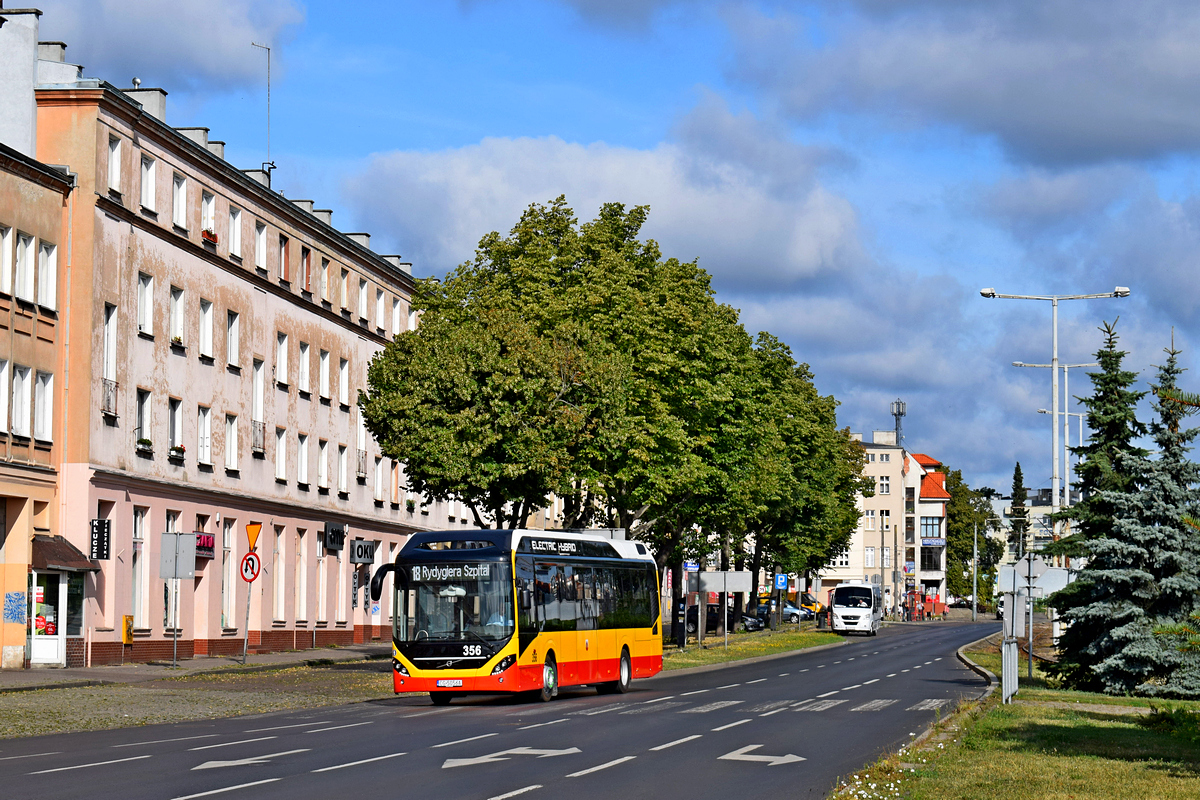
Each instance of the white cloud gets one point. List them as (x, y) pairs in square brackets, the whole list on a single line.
[(182, 45)]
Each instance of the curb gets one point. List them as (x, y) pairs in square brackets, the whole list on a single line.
[(992, 679), (37, 687), (753, 660)]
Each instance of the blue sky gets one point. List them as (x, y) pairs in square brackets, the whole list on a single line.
[(851, 172)]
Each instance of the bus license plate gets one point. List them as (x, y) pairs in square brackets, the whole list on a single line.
[(449, 683)]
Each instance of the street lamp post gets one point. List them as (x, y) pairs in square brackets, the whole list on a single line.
[(1120, 291), (1066, 493)]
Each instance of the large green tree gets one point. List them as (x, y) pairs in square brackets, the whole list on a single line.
[(1018, 531), (968, 512)]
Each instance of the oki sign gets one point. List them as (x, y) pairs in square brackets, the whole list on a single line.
[(362, 552)]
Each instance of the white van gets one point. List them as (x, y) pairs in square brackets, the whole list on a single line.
[(857, 608)]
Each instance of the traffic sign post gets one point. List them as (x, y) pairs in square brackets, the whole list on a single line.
[(251, 565), (177, 559)]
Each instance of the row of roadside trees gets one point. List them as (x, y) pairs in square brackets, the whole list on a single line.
[(574, 361)]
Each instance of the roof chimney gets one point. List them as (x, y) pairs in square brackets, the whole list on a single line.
[(153, 101), (217, 148), (260, 175), (197, 135), (307, 205), (52, 51), (324, 214), (360, 238), (399, 264)]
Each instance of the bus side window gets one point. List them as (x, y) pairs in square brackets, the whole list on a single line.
[(588, 611), (652, 582), (605, 598), (568, 604)]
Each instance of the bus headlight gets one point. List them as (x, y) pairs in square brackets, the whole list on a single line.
[(504, 664), (398, 667)]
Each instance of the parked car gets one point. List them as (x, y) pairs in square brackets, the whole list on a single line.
[(712, 616), (790, 613)]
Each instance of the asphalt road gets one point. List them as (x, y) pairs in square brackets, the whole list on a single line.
[(792, 724)]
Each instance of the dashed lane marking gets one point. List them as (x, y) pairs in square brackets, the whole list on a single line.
[(868, 683), (905, 670), (835, 691), (339, 727), (594, 712), (874, 705), (928, 705), (704, 709), (784, 674), (230, 744), (516, 792), (689, 694), (817, 705), (163, 741), (542, 724), (37, 755), (769, 713), (460, 741), (227, 789), (729, 686), (677, 741), (848, 688), (760, 680), (356, 763), (732, 725), (658, 700), (84, 766), (599, 767), (276, 728)]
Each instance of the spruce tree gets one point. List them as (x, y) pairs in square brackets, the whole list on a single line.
[(1019, 528), (1100, 601)]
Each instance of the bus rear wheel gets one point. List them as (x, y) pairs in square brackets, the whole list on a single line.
[(549, 679), (624, 679), (441, 698)]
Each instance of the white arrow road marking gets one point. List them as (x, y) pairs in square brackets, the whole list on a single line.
[(241, 762), (741, 755), (503, 755)]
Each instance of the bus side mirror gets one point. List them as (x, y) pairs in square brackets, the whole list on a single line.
[(524, 599), (377, 581)]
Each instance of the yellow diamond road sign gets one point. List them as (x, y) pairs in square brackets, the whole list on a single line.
[(252, 531)]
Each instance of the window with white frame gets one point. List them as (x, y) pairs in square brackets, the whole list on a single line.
[(885, 457), (285, 258), (235, 231), (378, 478), (323, 374), (302, 378), (885, 520), (43, 407), (48, 276), (341, 588), (306, 269), (412, 318), (114, 164), (885, 484), (148, 183), (345, 289), (871, 458), (6, 259), (260, 245), (301, 577), (362, 298), (22, 391), (139, 563), (145, 303), (176, 315), (322, 584), (208, 213), (141, 418), (343, 469), (868, 557), (23, 277), (3, 394), (203, 435), (869, 520), (281, 357), (324, 279), (361, 431), (322, 464), (232, 339), (110, 342), (280, 454), (344, 382), (841, 560), (228, 576), (277, 559), (206, 328), (256, 389), (231, 442), (395, 316), (394, 483), (171, 585), (302, 459), (179, 201), (887, 558), (175, 424), (380, 319)]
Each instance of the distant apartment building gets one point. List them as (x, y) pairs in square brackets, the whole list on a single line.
[(194, 369)]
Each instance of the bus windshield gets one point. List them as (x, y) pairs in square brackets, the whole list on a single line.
[(852, 597), (459, 601)]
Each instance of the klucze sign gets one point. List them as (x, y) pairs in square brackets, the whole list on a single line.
[(452, 572)]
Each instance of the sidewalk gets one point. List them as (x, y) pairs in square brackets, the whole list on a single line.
[(30, 679)]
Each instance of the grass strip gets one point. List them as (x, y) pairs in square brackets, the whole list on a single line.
[(743, 646)]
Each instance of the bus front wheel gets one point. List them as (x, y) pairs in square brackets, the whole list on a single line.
[(549, 679)]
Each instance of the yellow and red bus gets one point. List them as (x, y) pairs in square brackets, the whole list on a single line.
[(521, 611)]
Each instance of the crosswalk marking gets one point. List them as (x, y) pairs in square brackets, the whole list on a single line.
[(769, 706), (704, 709), (651, 709), (874, 705), (928, 705), (817, 705), (591, 712)]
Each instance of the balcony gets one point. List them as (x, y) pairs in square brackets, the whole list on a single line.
[(108, 397), (258, 437), (361, 464)]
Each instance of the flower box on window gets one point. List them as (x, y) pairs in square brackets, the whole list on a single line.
[(209, 235)]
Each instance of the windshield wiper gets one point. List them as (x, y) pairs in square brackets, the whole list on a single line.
[(486, 643)]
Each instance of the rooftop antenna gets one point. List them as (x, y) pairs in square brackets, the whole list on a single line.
[(899, 407), (268, 162), (137, 82)]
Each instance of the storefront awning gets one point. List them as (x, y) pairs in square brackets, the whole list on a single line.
[(56, 553)]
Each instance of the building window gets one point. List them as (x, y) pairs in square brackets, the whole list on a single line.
[(322, 464), (277, 560), (868, 558), (6, 259), (114, 164), (380, 319), (323, 374), (148, 170), (302, 378), (885, 457), (931, 527), (176, 315), (48, 276), (341, 589), (345, 289), (235, 232), (362, 298), (395, 481), (325, 279), (179, 202), (281, 358), (841, 560), (145, 303), (322, 584), (343, 469), (344, 382), (280, 454), (260, 245), (885, 484), (206, 328), (141, 429), (175, 423), (285, 261), (885, 520), (395, 316), (23, 277), (412, 318), (138, 565), (302, 459), (171, 585), (256, 399), (110, 342), (208, 213), (22, 390), (3, 394), (43, 407), (871, 458), (231, 442), (887, 558), (378, 478), (931, 559), (301, 578), (232, 339), (869, 520), (306, 269), (227, 574), (204, 435)]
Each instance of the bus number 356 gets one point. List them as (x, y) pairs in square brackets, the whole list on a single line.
[(472, 649)]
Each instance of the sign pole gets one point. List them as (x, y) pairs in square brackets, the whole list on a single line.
[(252, 531)]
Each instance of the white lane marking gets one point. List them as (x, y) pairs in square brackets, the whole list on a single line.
[(928, 705), (542, 724), (850, 659), (760, 680), (890, 675), (339, 727), (425, 713), (83, 766), (817, 705), (822, 666), (938, 659), (906, 670), (228, 744), (729, 686), (505, 755), (658, 700), (162, 741), (769, 706), (784, 674), (277, 728), (603, 710), (35, 755), (599, 767), (698, 691), (460, 741), (732, 725), (769, 713), (928, 663), (242, 762), (848, 688), (640, 709), (918, 666), (711, 707), (868, 683), (356, 763), (835, 691), (516, 792), (228, 789), (677, 741), (874, 705)]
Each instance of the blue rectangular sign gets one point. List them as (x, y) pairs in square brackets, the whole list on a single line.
[(780, 581)]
